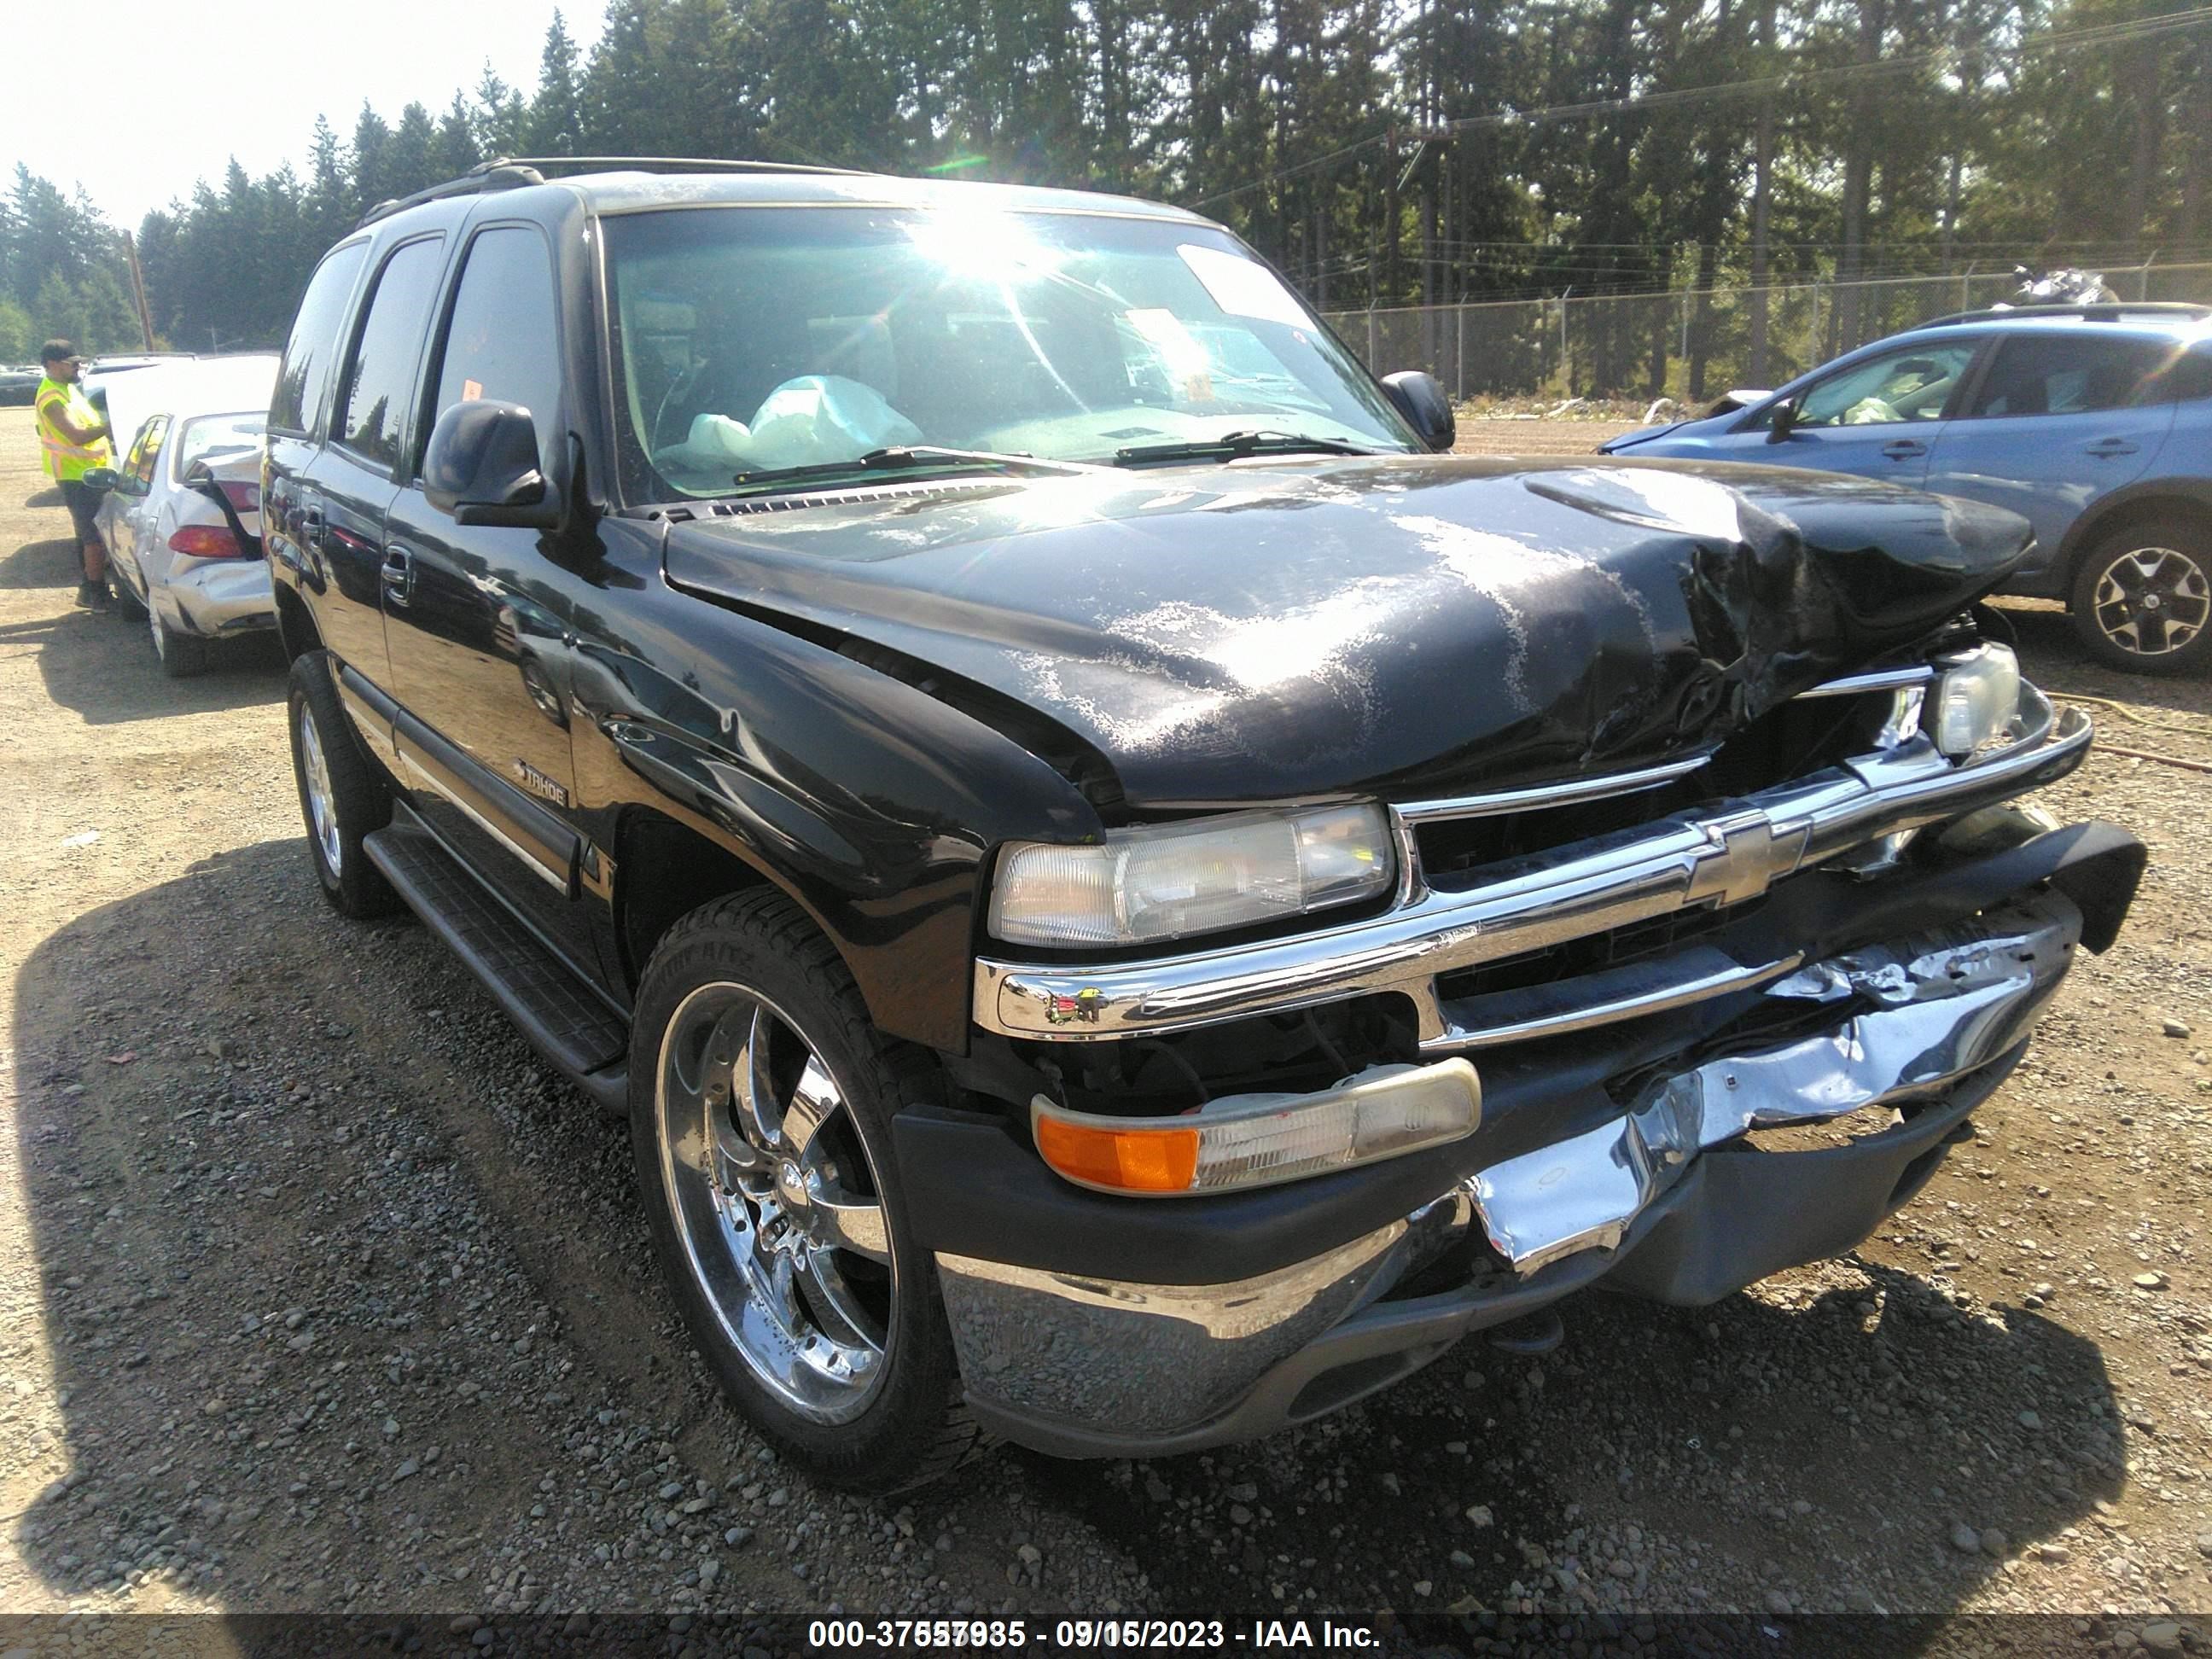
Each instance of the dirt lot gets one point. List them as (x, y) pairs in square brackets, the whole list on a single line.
[(318, 1292)]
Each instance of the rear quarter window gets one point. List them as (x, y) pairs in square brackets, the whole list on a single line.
[(2191, 377), (303, 378), (2074, 374)]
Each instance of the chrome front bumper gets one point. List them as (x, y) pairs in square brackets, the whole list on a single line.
[(1086, 1365), (1677, 864)]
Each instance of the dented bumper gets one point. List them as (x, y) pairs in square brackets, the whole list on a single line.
[(1641, 1156)]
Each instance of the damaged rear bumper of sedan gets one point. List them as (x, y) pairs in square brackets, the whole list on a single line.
[(216, 599), (1659, 1146)]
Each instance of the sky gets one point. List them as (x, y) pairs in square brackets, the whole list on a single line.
[(165, 92)]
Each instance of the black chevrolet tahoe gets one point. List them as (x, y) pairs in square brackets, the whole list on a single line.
[(1129, 901)]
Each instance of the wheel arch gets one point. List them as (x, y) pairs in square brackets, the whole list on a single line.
[(2189, 499), (665, 870), (296, 624)]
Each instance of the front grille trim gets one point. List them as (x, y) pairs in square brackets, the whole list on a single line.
[(1675, 864)]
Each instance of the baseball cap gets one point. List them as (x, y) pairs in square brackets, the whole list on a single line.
[(55, 351)]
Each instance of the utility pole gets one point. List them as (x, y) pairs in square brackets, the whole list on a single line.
[(138, 290), (1390, 215), (1429, 138), (1762, 195)]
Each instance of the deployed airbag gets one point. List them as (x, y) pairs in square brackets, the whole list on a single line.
[(813, 418)]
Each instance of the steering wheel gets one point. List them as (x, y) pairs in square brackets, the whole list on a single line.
[(678, 397)]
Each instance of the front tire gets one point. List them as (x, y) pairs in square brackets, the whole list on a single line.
[(342, 798), (2143, 598), (761, 1100)]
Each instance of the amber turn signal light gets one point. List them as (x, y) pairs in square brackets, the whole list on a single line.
[(1126, 1160), (1259, 1140)]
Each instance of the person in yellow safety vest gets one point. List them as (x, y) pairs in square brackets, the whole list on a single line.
[(75, 440)]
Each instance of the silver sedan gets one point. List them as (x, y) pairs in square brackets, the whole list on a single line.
[(191, 562)]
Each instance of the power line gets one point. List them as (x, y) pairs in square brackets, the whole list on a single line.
[(2141, 28)]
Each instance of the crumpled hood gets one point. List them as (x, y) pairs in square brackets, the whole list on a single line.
[(1408, 624)]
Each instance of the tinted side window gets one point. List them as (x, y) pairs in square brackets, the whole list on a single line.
[(2069, 374), (305, 373), (382, 372), (503, 341)]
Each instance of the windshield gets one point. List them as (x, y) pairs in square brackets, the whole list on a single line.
[(220, 437), (749, 341)]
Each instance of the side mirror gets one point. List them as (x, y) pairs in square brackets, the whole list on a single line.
[(1421, 400), (99, 479), (483, 466), (1783, 424)]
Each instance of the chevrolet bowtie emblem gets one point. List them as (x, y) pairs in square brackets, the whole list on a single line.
[(1743, 861)]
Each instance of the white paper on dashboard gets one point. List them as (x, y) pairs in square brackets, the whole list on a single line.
[(1241, 287)]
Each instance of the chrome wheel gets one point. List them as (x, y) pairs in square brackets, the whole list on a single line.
[(2153, 601), (322, 800), (774, 1197)]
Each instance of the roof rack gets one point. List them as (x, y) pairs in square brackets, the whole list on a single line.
[(2102, 311), (515, 171)]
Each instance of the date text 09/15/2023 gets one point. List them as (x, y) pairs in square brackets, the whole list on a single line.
[(1088, 1635)]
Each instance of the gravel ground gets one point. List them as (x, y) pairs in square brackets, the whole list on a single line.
[(1482, 434), (318, 1292)]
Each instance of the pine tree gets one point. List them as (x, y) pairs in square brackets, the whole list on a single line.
[(555, 123), (410, 161), (499, 116), (329, 207), (619, 102), (455, 148), (702, 103), (372, 174)]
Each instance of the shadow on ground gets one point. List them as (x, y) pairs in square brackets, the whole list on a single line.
[(1825, 1451), (103, 665), (51, 563), (251, 1253), (297, 1138)]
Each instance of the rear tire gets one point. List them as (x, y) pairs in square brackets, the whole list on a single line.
[(342, 797), (761, 1100), (2143, 598), (181, 655)]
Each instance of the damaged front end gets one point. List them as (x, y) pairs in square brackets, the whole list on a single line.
[(1658, 978)]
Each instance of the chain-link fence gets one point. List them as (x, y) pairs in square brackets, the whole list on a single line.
[(1687, 343)]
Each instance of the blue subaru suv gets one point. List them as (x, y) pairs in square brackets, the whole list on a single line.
[(2093, 422)]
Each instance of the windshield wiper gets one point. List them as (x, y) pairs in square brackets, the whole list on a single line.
[(1230, 446), (903, 458)]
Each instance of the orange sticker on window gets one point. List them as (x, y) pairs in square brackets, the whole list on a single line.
[(470, 391)]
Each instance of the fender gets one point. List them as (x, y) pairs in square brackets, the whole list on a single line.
[(869, 802), (2192, 492)]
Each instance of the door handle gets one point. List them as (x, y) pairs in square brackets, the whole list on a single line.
[(1904, 449), (2104, 448), (399, 574)]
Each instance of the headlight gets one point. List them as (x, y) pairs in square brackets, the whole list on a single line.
[(1975, 700), (1137, 886)]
